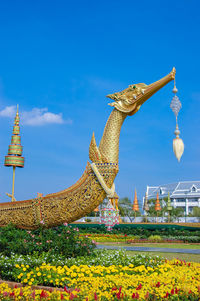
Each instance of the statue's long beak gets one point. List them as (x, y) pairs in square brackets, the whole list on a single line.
[(153, 88)]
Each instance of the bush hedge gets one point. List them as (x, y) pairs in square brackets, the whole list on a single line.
[(141, 231), (63, 240)]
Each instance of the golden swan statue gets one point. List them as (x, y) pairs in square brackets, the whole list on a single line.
[(97, 181)]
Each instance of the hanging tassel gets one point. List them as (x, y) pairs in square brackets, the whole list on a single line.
[(178, 145)]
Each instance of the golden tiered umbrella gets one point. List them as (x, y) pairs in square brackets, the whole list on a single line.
[(14, 157), (157, 205), (169, 206), (146, 206), (135, 204)]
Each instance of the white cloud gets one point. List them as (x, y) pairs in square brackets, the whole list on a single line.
[(35, 117), (40, 117), (8, 112)]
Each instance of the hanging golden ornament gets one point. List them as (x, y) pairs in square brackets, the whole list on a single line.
[(178, 145)]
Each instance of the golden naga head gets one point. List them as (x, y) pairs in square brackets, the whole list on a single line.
[(130, 100)]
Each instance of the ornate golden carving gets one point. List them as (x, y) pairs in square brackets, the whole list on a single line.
[(94, 153), (87, 193)]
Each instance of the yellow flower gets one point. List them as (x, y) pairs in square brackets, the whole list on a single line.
[(39, 274)]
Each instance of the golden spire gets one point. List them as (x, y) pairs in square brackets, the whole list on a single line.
[(157, 204), (135, 202), (14, 157)]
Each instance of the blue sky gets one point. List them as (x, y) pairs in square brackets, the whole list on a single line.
[(58, 61)]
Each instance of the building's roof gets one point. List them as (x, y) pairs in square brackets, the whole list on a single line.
[(177, 190)]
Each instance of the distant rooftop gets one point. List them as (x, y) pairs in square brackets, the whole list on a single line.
[(178, 189)]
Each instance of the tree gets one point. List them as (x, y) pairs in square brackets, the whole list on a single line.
[(176, 213), (196, 212), (125, 208), (152, 212)]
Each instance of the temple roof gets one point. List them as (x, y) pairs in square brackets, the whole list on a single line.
[(179, 189)]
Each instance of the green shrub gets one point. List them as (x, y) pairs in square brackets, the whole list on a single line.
[(140, 231), (62, 240), (155, 238)]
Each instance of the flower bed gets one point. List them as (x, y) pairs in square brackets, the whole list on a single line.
[(171, 280), (133, 241), (108, 237), (130, 239)]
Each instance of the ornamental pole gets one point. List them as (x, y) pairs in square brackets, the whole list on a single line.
[(14, 157), (157, 207), (146, 206)]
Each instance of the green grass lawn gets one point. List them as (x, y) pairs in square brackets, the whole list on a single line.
[(153, 245), (170, 256)]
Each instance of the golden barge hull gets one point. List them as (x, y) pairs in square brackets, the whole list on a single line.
[(65, 206)]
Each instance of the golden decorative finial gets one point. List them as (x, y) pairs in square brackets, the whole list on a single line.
[(157, 206), (14, 157), (135, 204)]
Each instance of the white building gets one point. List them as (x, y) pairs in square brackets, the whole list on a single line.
[(182, 194)]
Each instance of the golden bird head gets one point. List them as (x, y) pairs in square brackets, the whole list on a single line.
[(130, 100)]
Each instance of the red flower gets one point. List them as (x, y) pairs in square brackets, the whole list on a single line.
[(190, 292), (66, 290), (167, 294), (43, 294), (15, 286), (147, 295), (135, 296), (72, 296), (21, 292), (158, 284), (139, 287), (61, 297), (95, 296), (5, 294), (172, 291), (12, 294)]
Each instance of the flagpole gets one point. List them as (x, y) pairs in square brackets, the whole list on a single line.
[(13, 183)]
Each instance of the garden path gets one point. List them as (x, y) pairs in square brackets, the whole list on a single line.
[(147, 249)]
